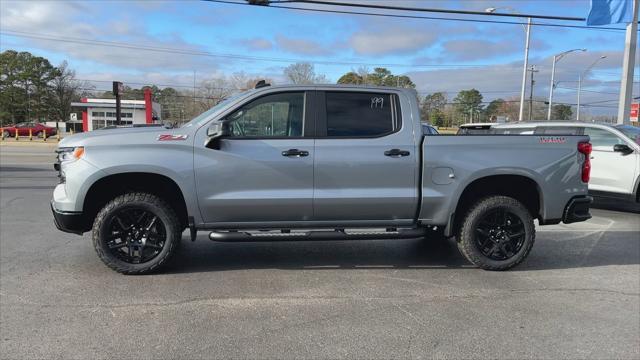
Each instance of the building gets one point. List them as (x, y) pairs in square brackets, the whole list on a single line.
[(99, 113)]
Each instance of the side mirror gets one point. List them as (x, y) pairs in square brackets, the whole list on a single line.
[(622, 148), (215, 132), (218, 129)]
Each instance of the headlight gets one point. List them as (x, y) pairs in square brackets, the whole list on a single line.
[(70, 153)]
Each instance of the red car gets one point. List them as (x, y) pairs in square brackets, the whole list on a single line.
[(37, 129)]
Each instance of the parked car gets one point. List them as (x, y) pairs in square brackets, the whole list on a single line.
[(615, 159), (475, 129), (37, 129), (322, 162), (429, 130)]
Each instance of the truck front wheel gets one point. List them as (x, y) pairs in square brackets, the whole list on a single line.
[(136, 233), (497, 233)]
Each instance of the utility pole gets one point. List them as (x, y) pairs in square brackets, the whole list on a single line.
[(626, 83), (118, 90), (533, 70)]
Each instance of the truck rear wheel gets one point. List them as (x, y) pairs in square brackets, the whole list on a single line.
[(136, 233), (497, 233)]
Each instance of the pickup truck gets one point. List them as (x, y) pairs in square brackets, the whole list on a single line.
[(324, 162)]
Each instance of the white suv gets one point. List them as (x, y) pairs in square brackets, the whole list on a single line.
[(615, 160)]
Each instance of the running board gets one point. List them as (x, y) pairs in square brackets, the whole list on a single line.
[(315, 235)]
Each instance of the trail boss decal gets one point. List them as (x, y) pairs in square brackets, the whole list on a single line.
[(552, 140), (169, 137)]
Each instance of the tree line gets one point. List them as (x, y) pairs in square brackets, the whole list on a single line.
[(31, 88)]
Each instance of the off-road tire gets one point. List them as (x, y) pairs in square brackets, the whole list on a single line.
[(465, 238), (151, 203)]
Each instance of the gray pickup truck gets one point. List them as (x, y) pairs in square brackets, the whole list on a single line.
[(322, 162)]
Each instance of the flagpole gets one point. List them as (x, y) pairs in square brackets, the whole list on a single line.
[(626, 82)]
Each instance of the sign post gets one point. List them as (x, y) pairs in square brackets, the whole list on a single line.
[(118, 89), (634, 113)]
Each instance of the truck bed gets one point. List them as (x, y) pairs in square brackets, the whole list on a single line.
[(450, 164)]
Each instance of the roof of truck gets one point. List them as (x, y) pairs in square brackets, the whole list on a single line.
[(551, 123), (337, 86)]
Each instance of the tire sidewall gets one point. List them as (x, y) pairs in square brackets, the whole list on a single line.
[(476, 215), (101, 229)]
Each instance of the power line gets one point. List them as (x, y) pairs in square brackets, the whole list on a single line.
[(422, 17), (429, 10), (591, 91), (94, 42)]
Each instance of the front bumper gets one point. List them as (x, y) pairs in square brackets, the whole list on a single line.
[(71, 222), (577, 210)]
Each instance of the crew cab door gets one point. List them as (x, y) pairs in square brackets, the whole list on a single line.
[(365, 159), (263, 171), (611, 171)]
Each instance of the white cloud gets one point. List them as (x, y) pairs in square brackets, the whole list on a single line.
[(301, 46), (73, 24), (388, 40)]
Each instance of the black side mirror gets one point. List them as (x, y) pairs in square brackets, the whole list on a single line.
[(622, 148), (215, 132)]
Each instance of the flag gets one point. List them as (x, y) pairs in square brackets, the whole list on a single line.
[(604, 12)]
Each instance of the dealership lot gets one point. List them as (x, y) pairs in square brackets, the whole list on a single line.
[(576, 296)]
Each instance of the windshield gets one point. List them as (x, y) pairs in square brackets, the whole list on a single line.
[(632, 132), (214, 109)]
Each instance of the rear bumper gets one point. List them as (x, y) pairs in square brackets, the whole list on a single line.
[(71, 222), (577, 210)]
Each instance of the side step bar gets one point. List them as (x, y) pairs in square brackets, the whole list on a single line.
[(315, 235)]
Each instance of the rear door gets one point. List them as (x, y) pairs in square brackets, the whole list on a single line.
[(365, 159), (263, 171), (610, 171)]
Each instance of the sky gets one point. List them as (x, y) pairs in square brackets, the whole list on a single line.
[(166, 42)]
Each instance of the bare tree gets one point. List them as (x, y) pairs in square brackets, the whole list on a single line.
[(303, 73), (242, 81), (65, 89), (214, 90)]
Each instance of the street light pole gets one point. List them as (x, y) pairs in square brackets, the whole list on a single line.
[(524, 69), (581, 77), (556, 58)]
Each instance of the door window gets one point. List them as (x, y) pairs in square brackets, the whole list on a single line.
[(351, 114), (602, 138), (276, 115)]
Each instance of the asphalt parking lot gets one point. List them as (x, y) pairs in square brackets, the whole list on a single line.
[(576, 296)]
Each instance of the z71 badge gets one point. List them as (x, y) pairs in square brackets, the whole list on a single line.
[(552, 140), (170, 137)]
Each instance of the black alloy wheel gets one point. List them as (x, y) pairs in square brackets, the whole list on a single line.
[(135, 235), (500, 234)]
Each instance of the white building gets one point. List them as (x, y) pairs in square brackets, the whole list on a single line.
[(98, 113)]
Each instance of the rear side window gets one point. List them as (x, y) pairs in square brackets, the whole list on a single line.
[(559, 130), (351, 114), (602, 138)]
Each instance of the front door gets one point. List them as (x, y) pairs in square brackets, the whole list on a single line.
[(263, 171), (610, 171), (366, 161)]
